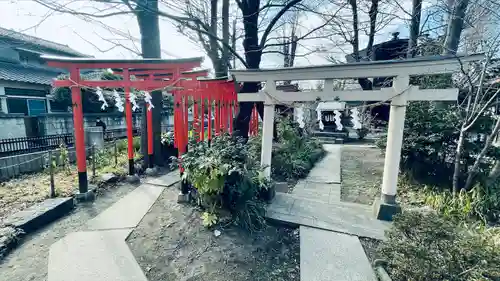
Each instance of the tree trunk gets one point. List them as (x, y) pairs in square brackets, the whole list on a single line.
[(373, 24), (458, 157), (455, 26), (253, 55), (489, 140), (147, 17), (355, 28), (365, 83), (414, 28), (225, 38)]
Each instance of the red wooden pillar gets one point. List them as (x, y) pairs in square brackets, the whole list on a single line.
[(196, 117), (149, 116), (76, 98), (128, 117), (209, 105), (202, 101), (217, 110), (224, 107)]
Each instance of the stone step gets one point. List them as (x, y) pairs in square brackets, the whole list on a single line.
[(40, 214), (331, 134), (344, 217), (94, 255), (320, 192), (329, 140), (331, 256)]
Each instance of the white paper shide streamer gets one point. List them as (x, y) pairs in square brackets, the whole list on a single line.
[(132, 100), (118, 101), (356, 119), (100, 95), (147, 99)]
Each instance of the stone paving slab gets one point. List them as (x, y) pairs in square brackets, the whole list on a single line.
[(40, 214), (349, 218), (327, 170), (321, 192), (330, 256), (93, 256), (128, 211), (165, 180)]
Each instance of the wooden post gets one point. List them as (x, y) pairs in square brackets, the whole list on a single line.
[(92, 153), (51, 171), (116, 152)]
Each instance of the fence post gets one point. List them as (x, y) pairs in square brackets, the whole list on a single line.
[(116, 152), (93, 159), (51, 171)]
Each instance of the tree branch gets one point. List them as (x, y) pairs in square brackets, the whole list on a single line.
[(62, 9), (273, 21), (220, 40)]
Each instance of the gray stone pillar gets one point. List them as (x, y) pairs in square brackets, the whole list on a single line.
[(94, 136)]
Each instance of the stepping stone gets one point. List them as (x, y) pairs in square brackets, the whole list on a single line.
[(95, 255), (165, 180), (40, 214), (320, 192), (128, 211), (348, 218), (330, 256), (328, 169)]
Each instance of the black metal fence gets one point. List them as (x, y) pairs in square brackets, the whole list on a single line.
[(18, 146)]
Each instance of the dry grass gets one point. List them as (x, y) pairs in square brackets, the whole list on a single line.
[(362, 169), (22, 192)]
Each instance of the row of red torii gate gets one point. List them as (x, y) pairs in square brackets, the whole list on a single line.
[(189, 87)]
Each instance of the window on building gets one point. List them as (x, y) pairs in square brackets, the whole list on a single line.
[(30, 107), (25, 92), (16, 105)]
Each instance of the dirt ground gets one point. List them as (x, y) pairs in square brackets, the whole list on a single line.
[(171, 244), (28, 261), (24, 191), (362, 168)]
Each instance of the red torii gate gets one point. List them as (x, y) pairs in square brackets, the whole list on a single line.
[(74, 65), (173, 77)]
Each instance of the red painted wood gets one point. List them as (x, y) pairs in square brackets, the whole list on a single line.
[(202, 101), (128, 117), (76, 99), (149, 116), (106, 65)]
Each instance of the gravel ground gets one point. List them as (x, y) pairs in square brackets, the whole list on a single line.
[(362, 169), (28, 262), (171, 244)]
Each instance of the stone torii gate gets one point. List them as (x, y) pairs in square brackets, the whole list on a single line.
[(398, 95)]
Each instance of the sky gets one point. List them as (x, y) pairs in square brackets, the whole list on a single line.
[(81, 33), (85, 34)]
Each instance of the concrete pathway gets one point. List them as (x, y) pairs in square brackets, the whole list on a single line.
[(330, 256), (329, 229), (101, 253)]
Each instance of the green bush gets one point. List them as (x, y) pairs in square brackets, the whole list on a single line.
[(226, 178), (294, 155), (430, 141), (427, 246), (122, 145)]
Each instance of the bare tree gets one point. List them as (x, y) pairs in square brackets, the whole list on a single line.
[(258, 21)]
